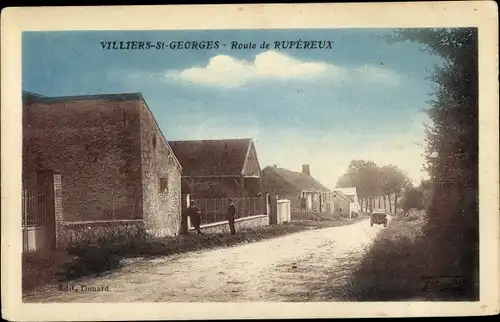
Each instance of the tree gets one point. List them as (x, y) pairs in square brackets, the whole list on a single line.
[(425, 188), (452, 139), (393, 181), (412, 199), (365, 176), (452, 144), (385, 179)]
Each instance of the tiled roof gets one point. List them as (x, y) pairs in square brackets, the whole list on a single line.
[(299, 180), (211, 157)]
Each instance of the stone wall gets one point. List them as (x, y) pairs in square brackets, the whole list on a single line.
[(95, 144), (94, 231), (242, 223), (161, 208)]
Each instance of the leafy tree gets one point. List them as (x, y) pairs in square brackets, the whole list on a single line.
[(365, 176), (412, 199), (392, 182), (452, 144)]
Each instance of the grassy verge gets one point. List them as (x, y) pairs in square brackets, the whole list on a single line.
[(402, 264), (324, 219), (81, 260), (393, 265)]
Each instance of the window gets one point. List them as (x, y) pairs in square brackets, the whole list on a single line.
[(154, 141), (163, 185)]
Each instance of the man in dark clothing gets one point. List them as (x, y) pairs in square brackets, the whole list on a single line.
[(194, 214), (231, 213)]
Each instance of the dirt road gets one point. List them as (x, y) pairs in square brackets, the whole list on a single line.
[(296, 267)]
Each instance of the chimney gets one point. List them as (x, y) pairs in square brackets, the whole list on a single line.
[(275, 165), (306, 169)]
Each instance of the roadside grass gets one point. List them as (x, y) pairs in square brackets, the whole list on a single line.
[(105, 254), (394, 265), (324, 219), (410, 260)]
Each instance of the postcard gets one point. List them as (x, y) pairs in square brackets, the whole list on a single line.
[(250, 161)]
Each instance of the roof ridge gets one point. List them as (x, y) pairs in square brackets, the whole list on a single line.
[(275, 169), (316, 181), (33, 93), (343, 195), (90, 96), (219, 157), (204, 140), (249, 147)]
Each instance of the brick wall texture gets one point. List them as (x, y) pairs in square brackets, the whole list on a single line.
[(109, 163)]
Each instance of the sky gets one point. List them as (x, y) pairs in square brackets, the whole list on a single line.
[(360, 98)]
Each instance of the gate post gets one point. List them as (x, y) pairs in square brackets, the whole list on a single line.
[(273, 209), (184, 218), (51, 180), (58, 209)]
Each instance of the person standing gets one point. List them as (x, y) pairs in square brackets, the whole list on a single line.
[(194, 214), (231, 214)]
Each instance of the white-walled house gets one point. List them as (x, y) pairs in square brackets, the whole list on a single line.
[(342, 204), (348, 198)]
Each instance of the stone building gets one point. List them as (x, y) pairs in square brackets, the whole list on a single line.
[(115, 165), (304, 191), (219, 168), (215, 170)]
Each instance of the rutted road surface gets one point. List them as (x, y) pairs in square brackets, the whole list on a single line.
[(296, 267)]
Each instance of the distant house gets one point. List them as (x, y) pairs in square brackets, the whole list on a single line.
[(214, 170), (347, 199), (343, 204), (113, 163), (219, 168), (305, 192)]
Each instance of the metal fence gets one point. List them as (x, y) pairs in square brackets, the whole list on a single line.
[(215, 210), (35, 203), (36, 212)]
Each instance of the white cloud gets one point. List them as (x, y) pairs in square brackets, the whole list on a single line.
[(229, 72), (226, 71)]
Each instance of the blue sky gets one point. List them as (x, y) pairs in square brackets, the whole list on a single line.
[(360, 99)]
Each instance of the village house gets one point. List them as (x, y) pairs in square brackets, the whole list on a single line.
[(343, 204), (347, 201), (215, 170), (218, 168), (105, 162), (304, 191)]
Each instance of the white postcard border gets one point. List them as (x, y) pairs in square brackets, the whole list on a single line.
[(481, 14)]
